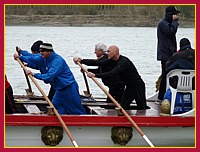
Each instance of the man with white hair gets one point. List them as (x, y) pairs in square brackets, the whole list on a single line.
[(126, 70), (115, 85)]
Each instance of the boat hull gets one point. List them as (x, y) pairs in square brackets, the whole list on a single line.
[(101, 127), (100, 136)]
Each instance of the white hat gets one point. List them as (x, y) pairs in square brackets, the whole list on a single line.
[(46, 46), (101, 47)]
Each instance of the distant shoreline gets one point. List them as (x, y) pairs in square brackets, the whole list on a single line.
[(85, 21)]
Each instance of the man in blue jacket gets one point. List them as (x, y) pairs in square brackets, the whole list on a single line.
[(166, 35), (35, 49), (54, 70)]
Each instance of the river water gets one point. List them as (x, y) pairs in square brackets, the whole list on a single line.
[(139, 44)]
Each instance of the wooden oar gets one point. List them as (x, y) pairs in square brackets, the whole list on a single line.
[(29, 90), (50, 103), (87, 93), (118, 105)]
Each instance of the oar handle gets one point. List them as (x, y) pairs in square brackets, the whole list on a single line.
[(118, 105), (27, 80), (86, 83), (50, 103)]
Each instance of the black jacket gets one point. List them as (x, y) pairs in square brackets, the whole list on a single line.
[(124, 68), (110, 81), (166, 35), (185, 59)]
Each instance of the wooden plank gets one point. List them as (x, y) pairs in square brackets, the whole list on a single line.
[(24, 101), (95, 109), (113, 112), (97, 104), (32, 108)]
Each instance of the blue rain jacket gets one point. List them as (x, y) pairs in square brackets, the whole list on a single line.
[(30, 64), (54, 69)]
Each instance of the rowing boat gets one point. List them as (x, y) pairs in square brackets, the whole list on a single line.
[(102, 126)]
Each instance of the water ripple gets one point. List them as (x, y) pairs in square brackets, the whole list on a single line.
[(137, 43)]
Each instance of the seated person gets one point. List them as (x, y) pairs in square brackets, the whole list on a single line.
[(182, 59), (9, 99)]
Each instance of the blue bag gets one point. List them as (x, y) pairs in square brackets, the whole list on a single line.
[(183, 101)]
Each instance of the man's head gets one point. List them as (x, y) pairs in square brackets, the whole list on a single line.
[(113, 52), (184, 44), (171, 10), (35, 48), (100, 49), (46, 50)]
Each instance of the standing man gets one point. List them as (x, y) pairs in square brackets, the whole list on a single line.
[(54, 70), (166, 35), (115, 85), (125, 69)]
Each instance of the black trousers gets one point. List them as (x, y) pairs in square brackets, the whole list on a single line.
[(116, 92), (138, 93), (163, 66), (51, 93), (162, 88)]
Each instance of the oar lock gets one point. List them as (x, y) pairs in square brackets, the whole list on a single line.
[(50, 110)]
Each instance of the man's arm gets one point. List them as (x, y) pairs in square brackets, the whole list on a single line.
[(92, 62)]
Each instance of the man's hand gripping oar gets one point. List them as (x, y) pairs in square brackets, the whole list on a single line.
[(87, 92)]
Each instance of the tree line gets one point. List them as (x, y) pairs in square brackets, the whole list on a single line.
[(187, 11), (99, 15)]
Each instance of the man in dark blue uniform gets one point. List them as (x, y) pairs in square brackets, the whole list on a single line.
[(166, 35)]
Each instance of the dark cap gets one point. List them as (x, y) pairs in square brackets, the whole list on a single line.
[(184, 44), (46, 47), (171, 10), (36, 46)]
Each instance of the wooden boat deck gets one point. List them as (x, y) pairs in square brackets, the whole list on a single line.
[(99, 114), (97, 106)]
